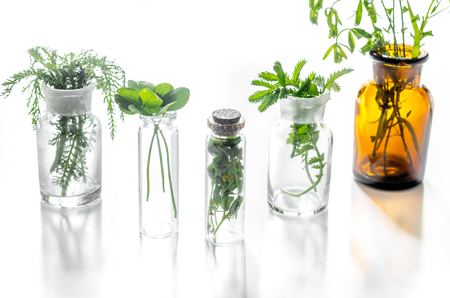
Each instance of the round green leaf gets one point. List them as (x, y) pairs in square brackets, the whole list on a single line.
[(134, 84), (144, 84), (129, 93), (180, 96), (163, 88), (149, 99)]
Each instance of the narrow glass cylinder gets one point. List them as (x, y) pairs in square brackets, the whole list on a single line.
[(69, 143), (299, 163), (225, 179), (393, 114), (158, 176)]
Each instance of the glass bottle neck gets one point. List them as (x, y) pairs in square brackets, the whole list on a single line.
[(391, 74), (167, 119), (304, 110), (68, 102)]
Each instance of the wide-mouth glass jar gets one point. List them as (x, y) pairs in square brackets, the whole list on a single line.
[(393, 114), (299, 163), (69, 143)]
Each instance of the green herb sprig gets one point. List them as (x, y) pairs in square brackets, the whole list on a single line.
[(146, 99), (74, 134), (379, 38), (67, 72), (304, 137), (227, 180)]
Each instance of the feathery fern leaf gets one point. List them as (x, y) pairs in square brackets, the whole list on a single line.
[(282, 76), (296, 73), (264, 84), (268, 76), (335, 76), (268, 101), (258, 96)]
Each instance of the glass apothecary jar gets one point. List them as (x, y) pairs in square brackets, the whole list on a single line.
[(158, 176), (225, 178), (69, 143), (299, 164), (393, 114)]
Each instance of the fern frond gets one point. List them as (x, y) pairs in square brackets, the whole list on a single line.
[(319, 81), (268, 76), (333, 77), (282, 76), (268, 101), (262, 83), (296, 73), (258, 96)]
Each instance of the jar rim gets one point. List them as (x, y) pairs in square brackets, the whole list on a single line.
[(421, 59), (172, 115), (72, 92), (306, 102)]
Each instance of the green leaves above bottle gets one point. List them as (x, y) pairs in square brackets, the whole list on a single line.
[(146, 99)]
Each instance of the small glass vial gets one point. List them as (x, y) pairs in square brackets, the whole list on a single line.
[(225, 178), (158, 176), (300, 148), (69, 143)]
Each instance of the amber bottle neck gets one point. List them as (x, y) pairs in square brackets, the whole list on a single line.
[(404, 74)]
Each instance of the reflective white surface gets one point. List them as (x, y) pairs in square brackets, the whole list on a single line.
[(368, 243)]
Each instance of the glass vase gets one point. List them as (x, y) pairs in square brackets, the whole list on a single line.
[(393, 114), (158, 176), (225, 178), (69, 143), (299, 165)]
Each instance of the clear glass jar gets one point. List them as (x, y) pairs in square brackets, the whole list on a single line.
[(69, 143), (158, 176), (225, 178), (393, 114), (300, 148)]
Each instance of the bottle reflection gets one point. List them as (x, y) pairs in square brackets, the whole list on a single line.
[(294, 255), (159, 266), (226, 270), (386, 236), (71, 250)]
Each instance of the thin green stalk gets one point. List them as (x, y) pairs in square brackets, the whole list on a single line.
[(317, 181), (307, 170), (223, 219), (403, 28), (60, 147), (397, 115), (160, 158), (64, 187), (148, 163), (294, 141), (170, 178)]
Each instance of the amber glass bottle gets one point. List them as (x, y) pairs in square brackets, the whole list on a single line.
[(393, 114)]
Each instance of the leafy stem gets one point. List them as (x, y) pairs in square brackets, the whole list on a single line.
[(304, 138), (226, 174), (376, 41)]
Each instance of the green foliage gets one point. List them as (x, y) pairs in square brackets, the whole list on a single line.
[(149, 100), (304, 138), (227, 180), (67, 72), (375, 41), (73, 139), (146, 99), (279, 85)]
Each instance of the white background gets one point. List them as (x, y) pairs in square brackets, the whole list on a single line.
[(369, 243)]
